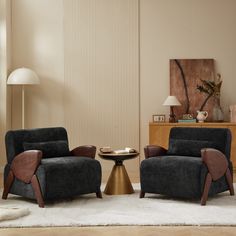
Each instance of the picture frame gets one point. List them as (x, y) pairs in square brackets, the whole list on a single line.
[(158, 118)]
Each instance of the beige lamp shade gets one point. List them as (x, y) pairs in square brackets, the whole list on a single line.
[(171, 101), (23, 76)]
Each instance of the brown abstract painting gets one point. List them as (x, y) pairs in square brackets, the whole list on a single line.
[(185, 76)]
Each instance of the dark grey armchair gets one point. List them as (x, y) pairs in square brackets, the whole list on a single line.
[(40, 166), (196, 165)]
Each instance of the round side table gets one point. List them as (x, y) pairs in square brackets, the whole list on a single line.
[(118, 182)]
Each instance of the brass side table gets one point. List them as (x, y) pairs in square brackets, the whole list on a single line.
[(118, 182)]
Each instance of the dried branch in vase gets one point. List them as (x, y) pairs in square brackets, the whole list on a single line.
[(210, 88)]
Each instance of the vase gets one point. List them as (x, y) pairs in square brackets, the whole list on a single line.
[(217, 113)]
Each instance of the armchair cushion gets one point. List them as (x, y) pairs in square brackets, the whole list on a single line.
[(178, 176), (49, 149), (174, 173), (66, 176), (62, 177), (185, 147)]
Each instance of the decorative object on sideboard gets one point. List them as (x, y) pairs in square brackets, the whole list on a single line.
[(232, 109), (187, 118), (218, 114), (212, 90), (172, 101), (185, 75), (23, 76), (187, 121), (158, 118), (201, 116)]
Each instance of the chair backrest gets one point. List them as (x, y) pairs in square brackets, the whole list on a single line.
[(189, 141), (16, 140)]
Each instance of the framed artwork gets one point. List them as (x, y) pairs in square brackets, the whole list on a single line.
[(158, 118), (186, 75)]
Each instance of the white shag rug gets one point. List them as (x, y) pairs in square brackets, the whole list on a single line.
[(154, 209)]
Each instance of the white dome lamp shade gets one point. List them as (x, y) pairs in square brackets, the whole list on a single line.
[(23, 76)]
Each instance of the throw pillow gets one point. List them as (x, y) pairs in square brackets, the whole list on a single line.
[(188, 147), (50, 149)]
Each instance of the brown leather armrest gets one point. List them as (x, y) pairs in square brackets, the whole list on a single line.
[(85, 151), (215, 161), (153, 151), (25, 164)]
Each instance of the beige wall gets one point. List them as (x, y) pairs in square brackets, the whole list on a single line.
[(101, 74), (37, 43), (5, 62), (86, 54)]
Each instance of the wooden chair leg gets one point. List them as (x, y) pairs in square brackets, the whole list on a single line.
[(142, 194), (206, 189), (7, 185), (37, 190), (230, 181), (99, 194)]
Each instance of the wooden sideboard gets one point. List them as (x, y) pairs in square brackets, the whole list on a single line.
[(159, 133)]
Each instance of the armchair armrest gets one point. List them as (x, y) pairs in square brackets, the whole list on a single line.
[(86, 151), (215, 161), (25, 164), (154, 150)]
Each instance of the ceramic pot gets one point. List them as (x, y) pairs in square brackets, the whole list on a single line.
[(202, 115)]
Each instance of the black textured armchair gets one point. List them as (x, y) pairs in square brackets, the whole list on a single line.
[(40, 166), (196, 165)]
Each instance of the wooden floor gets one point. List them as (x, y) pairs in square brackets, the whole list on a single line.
[(121, 230)]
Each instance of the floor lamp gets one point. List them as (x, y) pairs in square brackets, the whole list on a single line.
[(23, 76)]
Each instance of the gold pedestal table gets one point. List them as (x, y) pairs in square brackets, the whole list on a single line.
[(118, 182)]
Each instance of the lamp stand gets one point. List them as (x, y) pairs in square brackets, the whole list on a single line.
[(23, 107), (172, 115)]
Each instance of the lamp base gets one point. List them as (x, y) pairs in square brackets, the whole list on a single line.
[(172, 119), (172, 115)]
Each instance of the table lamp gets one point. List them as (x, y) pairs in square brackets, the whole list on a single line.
[(171, 101), (23, 76)]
